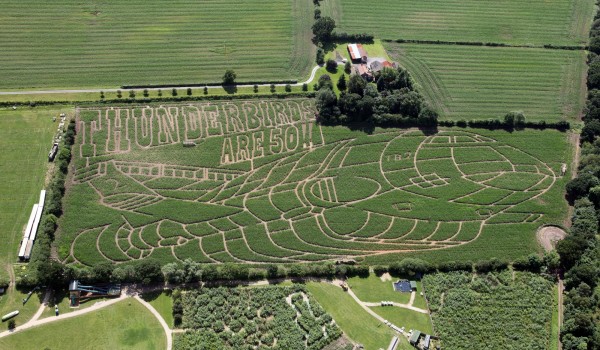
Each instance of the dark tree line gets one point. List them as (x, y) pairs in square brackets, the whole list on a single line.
[(579, 251)]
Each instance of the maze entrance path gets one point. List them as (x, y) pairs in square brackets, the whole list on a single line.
[(262, 183)]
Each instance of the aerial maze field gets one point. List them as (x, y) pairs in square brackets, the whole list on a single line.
[(260, 182)]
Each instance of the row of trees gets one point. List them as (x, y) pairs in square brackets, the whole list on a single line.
[(579, 251), (390, 101)]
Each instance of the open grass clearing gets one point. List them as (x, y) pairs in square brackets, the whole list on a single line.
[(405, 318), (466, 82), (124, 325), (356, 323), (163, 303)]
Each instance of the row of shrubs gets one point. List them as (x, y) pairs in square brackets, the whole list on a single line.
[(481, 43), (508, 123), (191, 272), (42, 267), (251, 82), (149, 271)]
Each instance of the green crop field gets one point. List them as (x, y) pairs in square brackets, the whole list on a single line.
[(124, 325), (511, 21), (65, 44), (501, 310), (261, 183), (468, 82)]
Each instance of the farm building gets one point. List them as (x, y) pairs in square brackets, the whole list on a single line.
[(357, 53), (363, 71), (405, 286), (376, 66), (414, 338)]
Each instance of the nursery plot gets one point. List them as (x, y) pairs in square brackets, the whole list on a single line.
[(503, 310), (276, 187), (66, 44), (273, 317)]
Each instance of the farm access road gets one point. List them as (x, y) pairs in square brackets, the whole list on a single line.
[(40, 92)]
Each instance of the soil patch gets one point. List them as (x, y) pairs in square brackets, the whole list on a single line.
[(549, 235)]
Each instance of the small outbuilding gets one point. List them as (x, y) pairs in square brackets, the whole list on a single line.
[(413, 285), (414, 338)]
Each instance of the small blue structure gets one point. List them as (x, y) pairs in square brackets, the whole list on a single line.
[(402, 286)]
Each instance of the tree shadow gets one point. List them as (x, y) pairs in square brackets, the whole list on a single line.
[(230, 89)]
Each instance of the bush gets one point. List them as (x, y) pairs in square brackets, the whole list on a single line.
[(273, 89), (174, 92), (380, 270), (288, 88), (189, 91), (331, 66), (320, 56)]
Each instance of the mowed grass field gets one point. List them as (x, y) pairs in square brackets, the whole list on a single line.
[(264, 184), (25, 139), (536, 22), (124, 325), (467, 82), (65, 44)]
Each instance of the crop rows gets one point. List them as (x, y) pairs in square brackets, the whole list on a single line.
[(510, 21), (316, 193), (465, 82), (66, 44)]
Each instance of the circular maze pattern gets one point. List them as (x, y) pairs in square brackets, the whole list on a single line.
[(390, 192)]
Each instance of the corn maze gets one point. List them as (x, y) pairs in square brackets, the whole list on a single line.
[(260, 182)]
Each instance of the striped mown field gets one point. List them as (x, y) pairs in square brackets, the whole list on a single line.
[(66, 44), (560, 22), (466, 82)]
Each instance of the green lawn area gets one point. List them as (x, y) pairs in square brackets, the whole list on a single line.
[(373, 289), (467, 82), (109, 44), (25, 139), (124, 325), (405, 318), (163, 303), (511, 21), (13, 300), (62, 300), (352, 319)]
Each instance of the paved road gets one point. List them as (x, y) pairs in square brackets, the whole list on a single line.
[(40, 92)]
